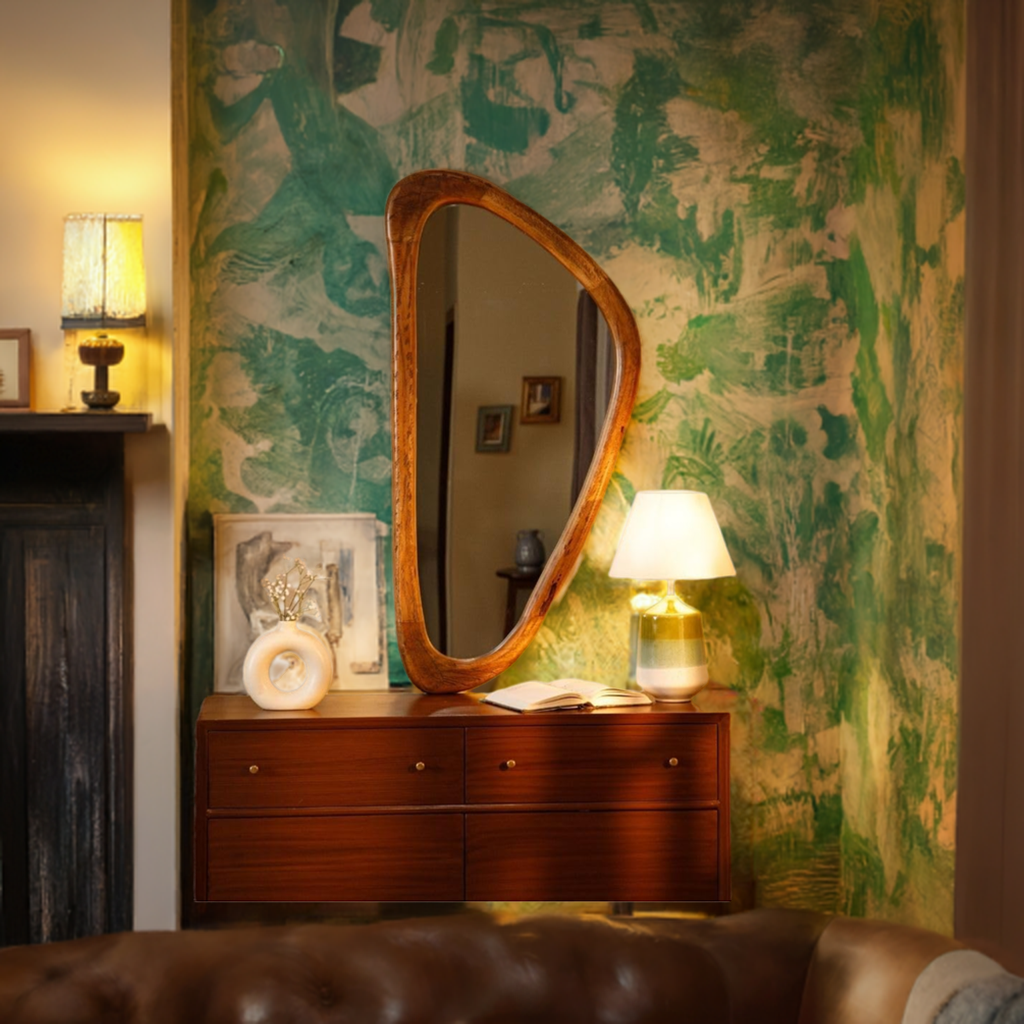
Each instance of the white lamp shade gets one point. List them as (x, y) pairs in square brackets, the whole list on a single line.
[(671, 535), (104, 275)]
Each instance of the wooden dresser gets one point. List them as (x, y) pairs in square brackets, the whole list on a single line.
[(410, 797)]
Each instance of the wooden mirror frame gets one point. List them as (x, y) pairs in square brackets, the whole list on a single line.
[(410, 204)]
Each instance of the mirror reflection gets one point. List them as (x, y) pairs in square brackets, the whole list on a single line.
[(515, 367)]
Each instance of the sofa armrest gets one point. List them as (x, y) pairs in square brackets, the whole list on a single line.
[(863, 971), (944, 977)]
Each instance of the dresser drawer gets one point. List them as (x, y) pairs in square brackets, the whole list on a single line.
[(334, 767), (617, 763), (622, 856), (413, 857)]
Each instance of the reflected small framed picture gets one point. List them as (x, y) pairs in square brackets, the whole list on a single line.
[(541, 400), (14, 359), (493, 428)]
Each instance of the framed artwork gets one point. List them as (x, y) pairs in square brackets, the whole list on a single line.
[(350, 612), (493, 428), (542, 400), (14, 360)]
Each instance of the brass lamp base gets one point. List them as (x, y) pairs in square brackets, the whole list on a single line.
[(101, 352), (101, 398)]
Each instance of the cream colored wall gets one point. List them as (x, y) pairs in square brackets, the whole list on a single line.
[(515, 318), (86, 127)]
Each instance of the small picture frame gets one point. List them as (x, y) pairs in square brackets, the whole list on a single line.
[(542, 400), (14, 361), (493, 428)]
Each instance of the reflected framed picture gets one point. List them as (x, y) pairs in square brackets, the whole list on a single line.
[(541, 400), (14, 360), (493, 428)]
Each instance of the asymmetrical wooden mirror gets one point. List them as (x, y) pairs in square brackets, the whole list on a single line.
[(462, 252)]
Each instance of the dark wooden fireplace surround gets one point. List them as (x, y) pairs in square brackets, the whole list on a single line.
[(65, 691)]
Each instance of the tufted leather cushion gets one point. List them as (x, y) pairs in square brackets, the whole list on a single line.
[(455, 970)]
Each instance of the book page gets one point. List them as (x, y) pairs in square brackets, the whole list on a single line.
[(533, 695), (602, 696), (584, 687)]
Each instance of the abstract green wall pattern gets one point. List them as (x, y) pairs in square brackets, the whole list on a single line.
[(777, 189)]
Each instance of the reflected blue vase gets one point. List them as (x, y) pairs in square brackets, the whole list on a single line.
[(529, 549)]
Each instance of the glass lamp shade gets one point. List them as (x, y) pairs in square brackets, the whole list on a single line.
[(104, 282)]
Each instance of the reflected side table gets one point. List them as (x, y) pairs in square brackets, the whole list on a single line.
[(518, 580)]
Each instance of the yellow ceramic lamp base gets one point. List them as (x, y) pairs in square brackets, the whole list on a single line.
[(671, 663)]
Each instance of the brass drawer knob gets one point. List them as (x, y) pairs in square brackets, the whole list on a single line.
[(420, 766), (253, 769), (673, 762), (508, 765)]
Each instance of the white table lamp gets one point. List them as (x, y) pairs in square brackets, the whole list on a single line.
[(671, 535)]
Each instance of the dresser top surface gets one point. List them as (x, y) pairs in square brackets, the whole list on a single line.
[(410, 707)]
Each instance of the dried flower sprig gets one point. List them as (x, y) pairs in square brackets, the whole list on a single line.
[(290, 598)]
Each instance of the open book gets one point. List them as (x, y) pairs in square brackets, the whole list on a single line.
[(564, 693)]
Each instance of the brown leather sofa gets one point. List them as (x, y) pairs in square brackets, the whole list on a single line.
[(764, 966)]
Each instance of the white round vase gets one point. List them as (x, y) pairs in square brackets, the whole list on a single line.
[(288, 668)]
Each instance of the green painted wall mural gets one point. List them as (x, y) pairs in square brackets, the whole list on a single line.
[(777, 189)]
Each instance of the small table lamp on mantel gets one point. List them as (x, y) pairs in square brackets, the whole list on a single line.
[(671, 535), (104, 286)]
